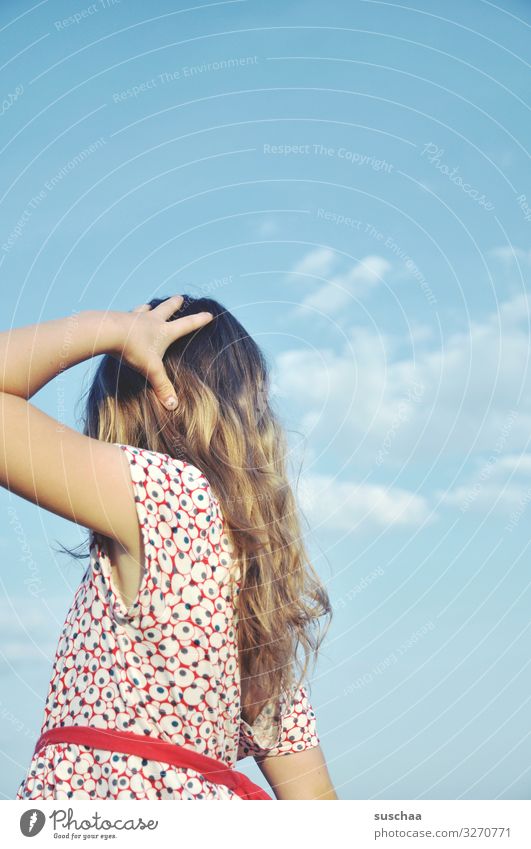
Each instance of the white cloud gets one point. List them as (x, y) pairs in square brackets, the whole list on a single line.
[(343, 289), (268, 226), (510, 254), (420, 333), (485, 497), (316, 263), (498, 482), (348, 506), (339, 285), (518, 464), (517, 310), (452, 400)]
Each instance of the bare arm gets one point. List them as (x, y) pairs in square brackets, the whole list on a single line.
[(41, 459), (31, 356), (302, 775), (70, 474)]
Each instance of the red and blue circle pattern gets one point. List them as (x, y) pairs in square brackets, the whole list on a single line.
[(168, 665)]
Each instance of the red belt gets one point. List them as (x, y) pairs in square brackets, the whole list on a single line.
[(154, 749)]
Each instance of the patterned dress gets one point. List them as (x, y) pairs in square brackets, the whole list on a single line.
[(168, 665)]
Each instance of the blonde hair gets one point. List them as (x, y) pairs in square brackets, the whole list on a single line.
[(224, 425)]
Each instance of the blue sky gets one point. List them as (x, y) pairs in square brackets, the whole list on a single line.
[(351, 179)]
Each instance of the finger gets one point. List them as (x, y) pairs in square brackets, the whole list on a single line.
[(188, 323), (141, 308), (166, 309), (162, 385)]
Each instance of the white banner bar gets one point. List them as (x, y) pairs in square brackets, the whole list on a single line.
[(301, 825)]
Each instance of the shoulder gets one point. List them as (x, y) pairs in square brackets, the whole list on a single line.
[(159, 472), (179, 513), (146, 458)]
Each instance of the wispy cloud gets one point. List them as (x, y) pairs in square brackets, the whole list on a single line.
[(337, 283), (350, 506), (317, 263), (268, 226), (497, 483), (467, 383), (343, 288), (510, 254)]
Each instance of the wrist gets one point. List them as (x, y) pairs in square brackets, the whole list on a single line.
[(106, 330)]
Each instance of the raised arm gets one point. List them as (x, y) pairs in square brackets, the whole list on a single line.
[(42, 460)]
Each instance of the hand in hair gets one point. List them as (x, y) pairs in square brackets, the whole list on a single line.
[(144, 336)]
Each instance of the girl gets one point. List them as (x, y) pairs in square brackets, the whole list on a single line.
[(177, 655)]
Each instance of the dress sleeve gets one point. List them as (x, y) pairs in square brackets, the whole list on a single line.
[(172, 503), (296, 731)]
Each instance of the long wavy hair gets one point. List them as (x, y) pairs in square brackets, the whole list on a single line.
[(225, 426)]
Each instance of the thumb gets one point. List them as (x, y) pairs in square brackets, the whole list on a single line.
[(162, 386)]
